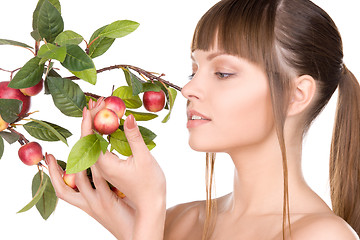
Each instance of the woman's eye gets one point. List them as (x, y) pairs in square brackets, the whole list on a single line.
[(222, 75)]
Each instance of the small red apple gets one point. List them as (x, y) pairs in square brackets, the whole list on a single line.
[(3, 125), (118, 192), (31, 153), (11, 93), (154, 101), (69, 179), (106, 121), (116, 104), (34, 90)]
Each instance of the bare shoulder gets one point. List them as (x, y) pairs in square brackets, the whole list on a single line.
[(322, 226), (183, 220)]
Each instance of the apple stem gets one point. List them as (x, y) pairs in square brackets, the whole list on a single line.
[(40, 165), (22, 139)]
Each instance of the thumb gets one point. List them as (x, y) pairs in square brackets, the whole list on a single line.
[(133, 135)]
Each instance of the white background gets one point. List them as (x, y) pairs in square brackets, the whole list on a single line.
[(161, 44)]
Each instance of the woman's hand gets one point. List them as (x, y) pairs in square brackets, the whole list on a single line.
[(141, 214)]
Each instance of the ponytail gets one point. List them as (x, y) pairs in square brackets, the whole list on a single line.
[(345, 152)]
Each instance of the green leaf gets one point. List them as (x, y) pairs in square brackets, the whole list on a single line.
[(52, 73), (36, 197), (49, 21), (120, 143), (51, 51), (100, 45), (1, 147), (67, 96), (84, 154), (68, 37), (14, 43), (76, 59), (139, 116), (119, 29), (51, 129), (147, 134), (46, 131), (127, 76), (136, 84), (88, 75), (172, 95), (125, 93), (29, 75), (48, 201), (36, 35), (10, 137), (151, 87), (9, 109), (56, 4), (62, 164), (103, 143), (151, 145)]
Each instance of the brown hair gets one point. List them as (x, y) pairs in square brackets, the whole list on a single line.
[(289, 38)]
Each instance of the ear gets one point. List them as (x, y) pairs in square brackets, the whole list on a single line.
[(303, 92)]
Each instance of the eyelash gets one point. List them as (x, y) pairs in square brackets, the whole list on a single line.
[(220, 75), (191, 76)]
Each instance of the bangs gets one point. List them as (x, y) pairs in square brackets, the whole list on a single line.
[(238, 27)]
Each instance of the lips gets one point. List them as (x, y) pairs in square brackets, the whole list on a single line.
[(191, 112)]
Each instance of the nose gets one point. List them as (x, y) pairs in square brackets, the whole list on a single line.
[(193, 89)]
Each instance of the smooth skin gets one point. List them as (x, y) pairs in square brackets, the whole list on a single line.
[(141, 214), (234, 95)]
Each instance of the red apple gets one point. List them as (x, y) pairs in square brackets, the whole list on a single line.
[(116, 104), (154, 101), (69, 179), (3, 124), (106, 121), (11, 93), (118, 192), (30, 153), (34, 90)]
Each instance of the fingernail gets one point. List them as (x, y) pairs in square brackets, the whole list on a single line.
[(130, 123), (46, 159)]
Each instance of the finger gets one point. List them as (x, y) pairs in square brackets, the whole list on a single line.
[(83, 184), (97, 106), (90, 104), (100, 183), (86, 124), (109, 165), (62, 190), (99, 101), (133, 135)]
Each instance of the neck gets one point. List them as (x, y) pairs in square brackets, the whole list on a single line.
[(259, 180)]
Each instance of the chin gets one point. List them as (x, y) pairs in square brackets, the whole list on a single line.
[(203, 146)]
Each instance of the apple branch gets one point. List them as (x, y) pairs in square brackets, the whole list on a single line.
[(143, 72), (11, 72)]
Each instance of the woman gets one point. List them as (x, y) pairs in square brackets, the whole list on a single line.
[(262, 71)]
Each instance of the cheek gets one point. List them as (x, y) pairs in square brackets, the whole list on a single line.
[(248, 118), (239, 119)]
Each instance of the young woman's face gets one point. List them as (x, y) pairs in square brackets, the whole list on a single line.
[(231, 95)]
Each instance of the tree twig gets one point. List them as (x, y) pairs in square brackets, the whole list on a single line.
[(141, 71)]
